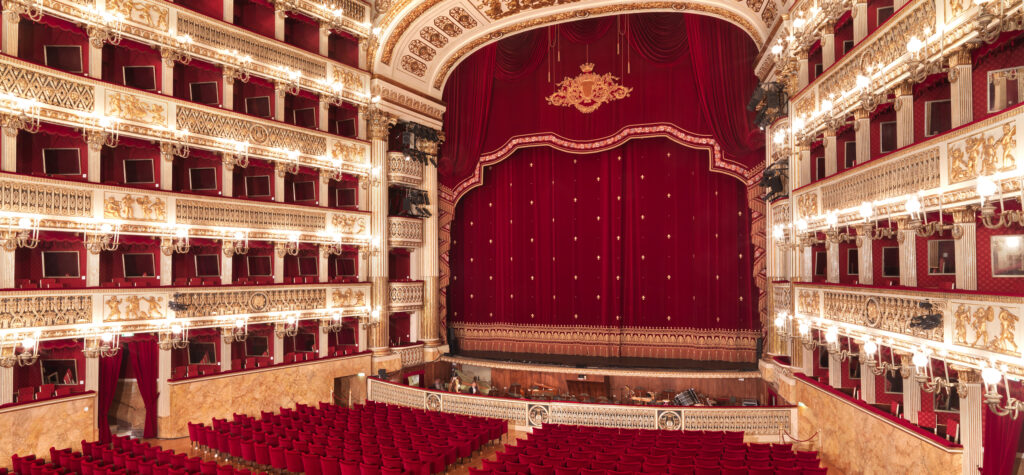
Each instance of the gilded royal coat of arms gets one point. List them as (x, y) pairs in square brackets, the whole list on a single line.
[(589, 90)]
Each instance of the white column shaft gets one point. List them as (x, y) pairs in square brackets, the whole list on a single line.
[(966, 249), (908, 259)]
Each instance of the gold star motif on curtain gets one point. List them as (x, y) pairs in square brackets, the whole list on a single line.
[(669, 277), (643, 297), (668, 236), (575, 315), (669, 318)]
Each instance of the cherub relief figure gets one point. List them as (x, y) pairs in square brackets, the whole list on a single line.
[(982, 316), (1007, 324), (962, 316)]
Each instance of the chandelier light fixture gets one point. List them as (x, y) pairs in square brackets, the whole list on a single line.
[(29, 354)]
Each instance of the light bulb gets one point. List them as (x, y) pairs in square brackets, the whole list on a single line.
[(239, 235), (28, 343), (24, 223), (832, 335), (1013, 242), (804, 328), (107, 337), (920, 360), (798, 124), (777, 233), (779, 138), (106, 228), (239, 323), (176, 329), (799, 23), (863, 81), (826, 105), (776, 49), (991, 375), (801, 224), (181, 232), (293, 236), (870, 347), (986, 187), (832, 218), (780, 322), (291, 320), (913, 205), (914, 45), (866, 210)]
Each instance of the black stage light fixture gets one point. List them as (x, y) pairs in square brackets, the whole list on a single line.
[(929, 320)]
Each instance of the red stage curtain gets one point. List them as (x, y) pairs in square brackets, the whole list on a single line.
[(110, 370), (643, 235), (1000, 439), (145, 356), (466, 124)]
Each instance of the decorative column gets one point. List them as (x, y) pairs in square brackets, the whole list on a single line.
[(279, 263), (904, 106), (166, 166), (831, 160), (862, 132), (832, 261), (867, 382), (364, 45), (95, 55), (278, 347), (966, 248), (225, 349), (227, 173), (835, 369), (907, 238), (865, 260), (279, 94), (860, 21), (324, 188), (805, 165), (9, 150), (92, 268), (960, 87), (321, 339), (11, 20), (325, 39), (279, 16), (379, 123), (430, 318), (828, 45), (93, 156), (911, 391), (323, 260), (806, 264), (322, 123), (92, 371), (163, 398), (807, 360), (803, 73), (166, 264), (6, 374), (6, 269), (229, 11), (228, 96), (167, 71), (972, 410), (282, 171), (226, 259)]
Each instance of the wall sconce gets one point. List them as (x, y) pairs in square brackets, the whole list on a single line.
[(334, 17), (784, 325), (807, 336), (992, 19), (832, 234), (178, 244), (174, 338), (334, 324), (1012, 407), (372, 249), (835, 348), (878, 366), (289, 328), (241, 68), (20, 113), (181, 52), (919, 67), (291, 84), (104, 132), (332, 249), (25, 236), (290, 165), (986, 189), (923, 374), (371, 319), (28, 8), (9, 355), (104, 26), (237, 247), (179, 147), (237, 332), (335, 96), (108, 239), (107, 345), (289, 247), (372, 178), (238, 159)]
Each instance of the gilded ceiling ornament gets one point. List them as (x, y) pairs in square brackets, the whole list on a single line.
[(589, 90)]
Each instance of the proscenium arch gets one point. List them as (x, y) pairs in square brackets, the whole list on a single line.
[(403, 25)]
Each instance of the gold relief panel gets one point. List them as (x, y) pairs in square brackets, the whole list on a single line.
[(351, 223), (446, 25), (244, 130), (807, 205), (421, 49), (463, 17), (891, 177), (47, 199), (348, 297), (497, 9), (45, 87), (201, 304), (987, 327), (888, 313), (223, 213), (141, 12), (133, 308), (770, 13), (414, 66), (807, 302), (45, 311), (134, 208), (984, 153), (351, 80), (349, 152), (131, 107), (433, 36)]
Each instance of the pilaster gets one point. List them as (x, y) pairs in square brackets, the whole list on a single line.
[(867, 382), (95, 57), (431, 325), (9, 149), (907, 239), (166, 166), (6, 269), (966, 248), (321, 120), (860, 21), (831, 160), (904, 106), (166, 268), (166, 72), (228, 94), (281, 170), (227, 173), (807, 360), (92, 269), (972, 409), (865, 260), (323, 260), (805, 165), (325, 37), (279, 94), (379, 124), (225, 350), (279, 21), (278, 348), (832, 262), (92, 373), (11, 23), (229, 11), (226, 271), (835, 370), (163, 399), (862, 130), (803, 73), (6, 377), (94, 151), (911, 391), (278, 267), (828, 45), (960, 87)]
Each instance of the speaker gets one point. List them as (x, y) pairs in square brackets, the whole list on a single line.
[(382, 374)]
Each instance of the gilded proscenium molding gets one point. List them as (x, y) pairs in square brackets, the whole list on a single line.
[(405, 295), (685, 343), (976, 328), (758, 422), (423, 109), (927, 168), (71, 313), (63, 205), (69, 99), (405, 232)]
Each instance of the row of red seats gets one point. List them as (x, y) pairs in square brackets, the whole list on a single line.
[(396, 439), (46, 391), (123, 456)]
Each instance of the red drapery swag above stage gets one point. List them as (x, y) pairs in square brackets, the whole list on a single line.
[(624, 303)]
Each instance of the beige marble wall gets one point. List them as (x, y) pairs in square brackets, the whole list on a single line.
[(128, 408), (35, 428), (250, 392), (855, 441)]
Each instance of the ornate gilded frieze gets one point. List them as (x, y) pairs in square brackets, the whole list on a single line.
[(807, 205), (888, 178), (134, 207), (134, 108), (884, 312), (463, 17), (145, 13), (351, 223), (349, 297), (44, 311), (983, 153), (46, 87), (222, 213), (202, 122), (220, 302), (414, 66), (987, 327), (39, 197), (498, 9), (130, 308)]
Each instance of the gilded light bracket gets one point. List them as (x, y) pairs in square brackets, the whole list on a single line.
[(9, 354)]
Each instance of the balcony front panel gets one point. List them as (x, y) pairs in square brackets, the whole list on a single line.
[(400, 170), (405, 232), (405, 296)]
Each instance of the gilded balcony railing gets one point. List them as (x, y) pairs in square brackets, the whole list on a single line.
[(405, 232), (405, 295)]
